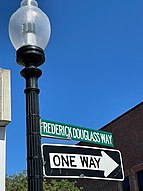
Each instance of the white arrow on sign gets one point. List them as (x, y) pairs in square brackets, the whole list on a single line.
[(107, 164), (78, 161)]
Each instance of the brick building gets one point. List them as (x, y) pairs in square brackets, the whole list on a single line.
[(127, 133)]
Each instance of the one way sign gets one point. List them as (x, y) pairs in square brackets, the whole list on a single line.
[(64, 161)]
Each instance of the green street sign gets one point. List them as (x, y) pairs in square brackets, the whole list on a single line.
[(71, 132)]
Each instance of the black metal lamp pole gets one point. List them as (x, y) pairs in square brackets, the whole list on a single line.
[(31, 57), (29, 32)]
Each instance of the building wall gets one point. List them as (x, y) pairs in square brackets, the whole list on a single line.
[(127, 133), (98, 185)]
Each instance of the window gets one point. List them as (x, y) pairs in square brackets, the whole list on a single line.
[(126, 185), (140, 180)]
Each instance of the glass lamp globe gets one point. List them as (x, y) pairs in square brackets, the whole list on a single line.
[(29, 26)]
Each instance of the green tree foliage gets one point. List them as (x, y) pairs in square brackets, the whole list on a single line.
[(63, 185), (18, 182)]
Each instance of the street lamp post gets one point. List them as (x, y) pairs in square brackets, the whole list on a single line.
[(29, 31)]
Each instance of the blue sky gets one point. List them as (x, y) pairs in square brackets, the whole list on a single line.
[(93, 69)]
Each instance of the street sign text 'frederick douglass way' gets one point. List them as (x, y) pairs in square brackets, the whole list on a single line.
[(66, 131)]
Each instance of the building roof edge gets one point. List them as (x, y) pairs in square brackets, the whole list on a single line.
[(127, 112)]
